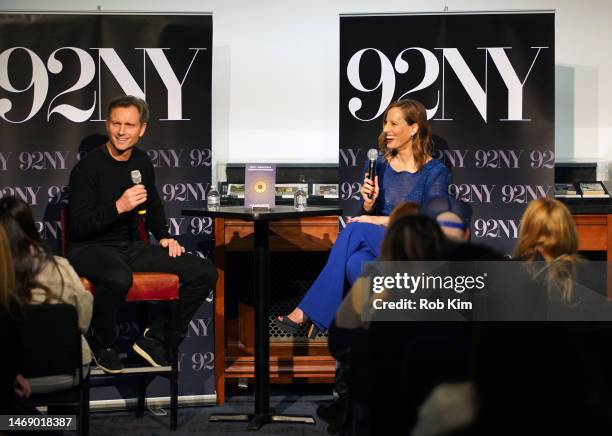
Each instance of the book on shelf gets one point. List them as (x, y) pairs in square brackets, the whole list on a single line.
[(593, 190), (288, 190), (566, 190)]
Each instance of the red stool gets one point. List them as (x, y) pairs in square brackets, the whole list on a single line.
[(147, 287)]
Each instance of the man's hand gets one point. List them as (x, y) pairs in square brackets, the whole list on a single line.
[(369, 187), (174, 248), (131, 197), (377, 220)]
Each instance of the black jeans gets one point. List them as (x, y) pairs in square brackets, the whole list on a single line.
[(109, 267)]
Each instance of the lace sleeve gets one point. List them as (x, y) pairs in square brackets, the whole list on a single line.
[(437, 181)]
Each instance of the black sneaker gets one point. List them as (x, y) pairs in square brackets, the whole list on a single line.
[(151, 350), (107, 360)]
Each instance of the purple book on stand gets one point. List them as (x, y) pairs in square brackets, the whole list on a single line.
[(259, 184)]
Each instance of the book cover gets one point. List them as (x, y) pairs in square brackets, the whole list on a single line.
[(593, 189), (565, 189), (259, 181), (567, 195), (288, 190)]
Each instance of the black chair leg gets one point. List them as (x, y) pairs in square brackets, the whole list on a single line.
[(143, 317), (143, 320), (174, 363), (142, 391), (83, 424)]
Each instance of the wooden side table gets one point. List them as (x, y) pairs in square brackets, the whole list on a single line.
[(235, 340), (595, 234)]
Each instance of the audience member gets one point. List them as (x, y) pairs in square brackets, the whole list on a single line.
[(12, 382), (454, 218), (335, 412), (526, 375), (408, 238), (452, 215), (403, 209), (41, 277), (548, 240)]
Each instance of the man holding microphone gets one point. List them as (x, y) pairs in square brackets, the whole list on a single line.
[(110, 190)]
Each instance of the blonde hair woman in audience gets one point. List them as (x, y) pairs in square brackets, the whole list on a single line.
[(41, 277), (548, 233), (495, 398)]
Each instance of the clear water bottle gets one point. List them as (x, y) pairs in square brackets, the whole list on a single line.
[(299, 200), (213, 199)]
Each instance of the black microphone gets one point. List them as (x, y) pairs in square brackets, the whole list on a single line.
[(137, 180), (372, 156)]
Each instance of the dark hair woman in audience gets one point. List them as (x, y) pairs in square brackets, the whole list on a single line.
[(41, 277), (11, 381), (405, 171), (7, 276), (409, 238), (362, 346)]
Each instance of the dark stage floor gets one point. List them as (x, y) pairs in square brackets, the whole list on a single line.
[(292, 400)]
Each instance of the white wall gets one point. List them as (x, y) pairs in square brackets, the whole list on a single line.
[(275, 70)]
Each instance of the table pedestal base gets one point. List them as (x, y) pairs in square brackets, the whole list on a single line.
[(256, 421)]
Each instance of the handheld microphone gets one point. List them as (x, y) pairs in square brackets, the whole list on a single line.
[(372, 156), (137, 180)]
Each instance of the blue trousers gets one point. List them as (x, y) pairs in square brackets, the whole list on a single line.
[(357, 243)]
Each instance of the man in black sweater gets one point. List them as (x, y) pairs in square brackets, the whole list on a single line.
[(105, 206)]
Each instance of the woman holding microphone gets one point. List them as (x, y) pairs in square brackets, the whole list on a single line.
[(405, 171)]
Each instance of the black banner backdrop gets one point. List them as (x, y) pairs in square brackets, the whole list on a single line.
[(57, 74), (487, 80)]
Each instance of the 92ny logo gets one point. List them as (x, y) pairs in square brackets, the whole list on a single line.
[(435, 65), (90, 67)]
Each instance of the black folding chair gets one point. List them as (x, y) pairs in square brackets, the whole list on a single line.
[(52, 361)]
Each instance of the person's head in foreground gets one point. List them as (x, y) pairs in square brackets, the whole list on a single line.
[(413, 237), (547, 228), (30, 253), (405, 208), (453, 216), (548, 232)]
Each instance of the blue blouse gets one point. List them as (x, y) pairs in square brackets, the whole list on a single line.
[(397, 186)]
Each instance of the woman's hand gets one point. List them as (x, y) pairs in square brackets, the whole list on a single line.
[(371, 219), (369, 188)]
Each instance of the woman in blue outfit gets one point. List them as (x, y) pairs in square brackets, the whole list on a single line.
[(405, 172)]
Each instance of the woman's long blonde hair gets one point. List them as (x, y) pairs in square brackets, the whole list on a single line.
[(547, 226), (7, 273), (414, 112)]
